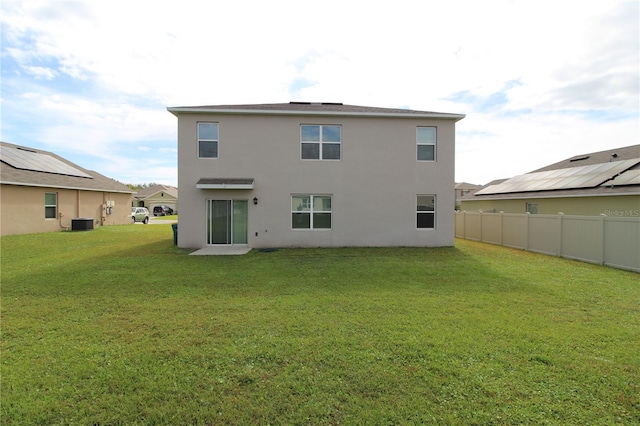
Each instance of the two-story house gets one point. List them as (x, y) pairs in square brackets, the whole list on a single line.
[(304, 174)]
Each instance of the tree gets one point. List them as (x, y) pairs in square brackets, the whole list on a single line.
[(140, 186)]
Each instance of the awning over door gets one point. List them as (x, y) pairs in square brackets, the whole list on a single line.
[(225, 183)]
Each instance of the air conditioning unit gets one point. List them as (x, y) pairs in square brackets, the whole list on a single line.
[(82, 224)]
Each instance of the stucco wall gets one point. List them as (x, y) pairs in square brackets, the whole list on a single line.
[(615, 205), (23, 211), (374, 185)]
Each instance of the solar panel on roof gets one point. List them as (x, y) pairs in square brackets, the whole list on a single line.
[(570, 178), (30, 160), (630, 177)]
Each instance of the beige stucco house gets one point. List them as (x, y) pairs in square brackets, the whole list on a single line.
[(42, 192), (465, 188), (157, 195), (306, 174), (598, 183)]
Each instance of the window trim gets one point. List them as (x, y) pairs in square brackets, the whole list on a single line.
[(427, 212), (48, 206), (434, 144), (311, 212), (217, 141), (320, 142)]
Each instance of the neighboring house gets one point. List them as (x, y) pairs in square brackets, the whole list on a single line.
[(464, 188), (157, 195), (42, 192), (598, 183), (315, 175)]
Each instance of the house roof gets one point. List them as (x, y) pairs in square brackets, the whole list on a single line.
[(610, 172), (465, 185), (26, 166), (618, 154), (313, 108), (154, 189)]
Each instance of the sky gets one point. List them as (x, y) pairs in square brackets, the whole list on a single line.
[(539, 80)]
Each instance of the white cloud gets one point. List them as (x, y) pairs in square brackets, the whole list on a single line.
[(41, 72), (97, 73)]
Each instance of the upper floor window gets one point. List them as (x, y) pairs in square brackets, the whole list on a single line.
[(50, 205), (311, 211), (320, 142), (426, 140), (207, 140), (426, 211)]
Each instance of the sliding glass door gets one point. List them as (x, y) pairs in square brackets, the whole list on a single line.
[(227, 221)]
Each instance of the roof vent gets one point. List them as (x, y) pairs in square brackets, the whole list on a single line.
[(25, 149), (579, 158), (314, 103)]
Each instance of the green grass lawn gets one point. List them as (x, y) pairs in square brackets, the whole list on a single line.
[(167, 217), (118, 326)]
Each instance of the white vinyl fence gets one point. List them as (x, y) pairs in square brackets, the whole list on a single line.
[(605, 240)]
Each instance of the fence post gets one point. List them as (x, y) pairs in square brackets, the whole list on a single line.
[(602, 218), (561, 217), (501, 226), (464, 225), (526, 243)]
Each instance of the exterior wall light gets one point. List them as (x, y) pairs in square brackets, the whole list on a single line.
[(255, 200)]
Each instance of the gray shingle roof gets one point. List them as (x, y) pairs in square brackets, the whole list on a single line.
[(152, 190), (617, 154), (330, 108), (10, 175), (624, 154)]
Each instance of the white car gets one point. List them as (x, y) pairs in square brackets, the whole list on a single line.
[(140, 214)]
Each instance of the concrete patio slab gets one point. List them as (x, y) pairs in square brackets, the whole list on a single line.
[(221, 251)]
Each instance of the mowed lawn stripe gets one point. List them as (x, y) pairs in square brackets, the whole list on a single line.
[(118, 326)]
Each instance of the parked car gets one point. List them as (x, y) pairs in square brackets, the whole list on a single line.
[(162, 210), (140, 214)]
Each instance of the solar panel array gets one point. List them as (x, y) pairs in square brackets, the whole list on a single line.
[(35, 161), (569, 178), (630, 177)]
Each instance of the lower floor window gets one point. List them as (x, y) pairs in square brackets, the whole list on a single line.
[(50, 205), (426, 211), (311, 211)]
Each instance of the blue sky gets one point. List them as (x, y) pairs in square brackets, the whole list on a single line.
[(539, 81)]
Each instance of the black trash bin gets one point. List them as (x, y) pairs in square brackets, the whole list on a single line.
[(175, 233)]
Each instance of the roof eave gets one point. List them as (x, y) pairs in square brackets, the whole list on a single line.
[(43, 185), (525, 196), (199, 110)]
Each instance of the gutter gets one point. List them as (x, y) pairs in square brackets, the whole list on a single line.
[(537, 196), (41, 185)]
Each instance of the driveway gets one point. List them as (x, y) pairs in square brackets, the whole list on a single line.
[(158, 222)]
